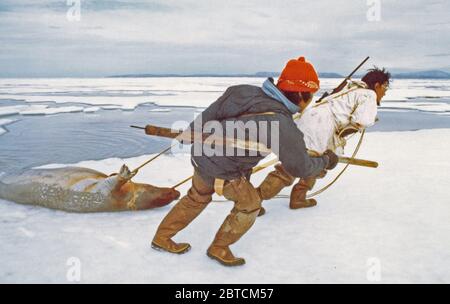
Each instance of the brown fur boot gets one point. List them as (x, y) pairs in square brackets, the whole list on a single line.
[(273, 184), (298, 195), (237, 223), (232, 229), (224, 256), (183, 213)]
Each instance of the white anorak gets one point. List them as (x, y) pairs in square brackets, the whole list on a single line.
[(321, 123)]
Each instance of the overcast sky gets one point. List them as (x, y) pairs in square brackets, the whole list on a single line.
[(226, 36)]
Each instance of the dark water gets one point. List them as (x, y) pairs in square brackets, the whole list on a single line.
[(73, 137), (409, 121)]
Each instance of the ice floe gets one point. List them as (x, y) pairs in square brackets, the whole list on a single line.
[(128, 93), (161, 110), (52, 111), (12, 110), (91, 109), (438, 107)]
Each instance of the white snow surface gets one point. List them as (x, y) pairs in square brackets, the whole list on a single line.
[(396, 215)]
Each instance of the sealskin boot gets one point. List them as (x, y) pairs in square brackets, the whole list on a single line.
[(232, 229), (183, 213), (298, 194), (273, 184), (170, 246), (224, 256), (238, 222)]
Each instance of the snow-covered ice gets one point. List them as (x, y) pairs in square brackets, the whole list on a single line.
[(432, 107), (128, 93), (91, 109), (404, 89), (52, 111), (161, 110), (396, 215), (11, 110), (38, 109)]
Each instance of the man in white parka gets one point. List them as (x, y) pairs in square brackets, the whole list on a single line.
[(325, 126)]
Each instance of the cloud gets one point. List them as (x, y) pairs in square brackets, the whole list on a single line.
[(439, 55), (187, 36), (88, 5)]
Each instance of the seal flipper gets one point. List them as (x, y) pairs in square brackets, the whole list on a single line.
[(125, 173), (112, 183)]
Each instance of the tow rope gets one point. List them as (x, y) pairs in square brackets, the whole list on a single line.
[(337, 177)]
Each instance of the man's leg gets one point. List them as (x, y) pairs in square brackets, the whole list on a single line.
[(274, 183), (183, 213), (298, 194), (238, 222)]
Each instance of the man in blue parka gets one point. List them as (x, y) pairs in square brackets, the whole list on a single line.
[(269, 109)]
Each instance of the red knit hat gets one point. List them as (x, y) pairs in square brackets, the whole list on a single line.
[(299, 76)]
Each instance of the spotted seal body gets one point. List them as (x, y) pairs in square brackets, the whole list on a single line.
[(76, 189)]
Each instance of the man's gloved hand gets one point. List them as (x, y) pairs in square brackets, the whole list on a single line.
[(332, 159), (322, 174)]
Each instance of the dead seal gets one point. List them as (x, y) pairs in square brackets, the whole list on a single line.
[(76, 189)]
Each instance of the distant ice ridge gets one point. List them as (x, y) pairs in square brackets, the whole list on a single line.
[(162, 91), (200, 92)]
